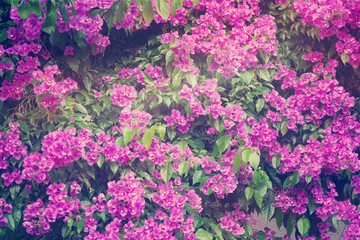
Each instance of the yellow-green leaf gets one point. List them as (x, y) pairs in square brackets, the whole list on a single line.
[(148, 11), (303, 225), (147, 140), (166, 172), (163, 8), (264, 74), (128, 135)]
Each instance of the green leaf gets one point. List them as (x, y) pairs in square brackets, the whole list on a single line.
[(199, 221), (13, 3), (261, 236), (3, 36), (264, 74), (258, 199), (264, 56), (80, 225), (284, 128), (220, 89), (191, 78), (260, 103), (49, 23), (167, 101), (24, 11), (275, 161), (311, 206), (74, 64), (81, 108), (183, 145), (161, 129), (147, 140), (196, 144), (70, 222), (169, 56), (254, 160), (180, 235), (183, 168), (279, 216), (102, 215), (90, 171), (256, 177), (120, 141), (217, 230), (195, 2), (163, 8), (24, 127), (262, 186), (223, 143), (308, 179), (64, 12), (303, 225), (290, 225), (97, 108), (198, 175), (268, 211), (128, 135), (65, 230), (236, 163), (166, 172), (148, 12), (249, 191), (17, 216), (110, 15), (287, 182), (116, 13), (248, 228), (11, 222), (345, 57), (114, 166), (295, 178), (247, 76), (14, 191), (177, 76), (35, 7), (245, 155), (201, 234), (175, 5)]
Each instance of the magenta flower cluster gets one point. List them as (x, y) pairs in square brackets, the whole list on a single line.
[(170, 198), (224, 182), (123, 96), (333, 18), (57, 90), (292, 199), (127, 198), (134, 119), (125, 202), (229, 50), (37, 217), (11, 145), (4, 208), (233, 222), (232, 35), (343, 210)]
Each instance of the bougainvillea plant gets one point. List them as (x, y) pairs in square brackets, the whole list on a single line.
[(178, 119)]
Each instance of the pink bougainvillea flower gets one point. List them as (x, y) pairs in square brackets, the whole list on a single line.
[(106, 78), (69, 51), (98, 95), (123, 96)]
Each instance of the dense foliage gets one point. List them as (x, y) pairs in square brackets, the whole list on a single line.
[(178, 119)]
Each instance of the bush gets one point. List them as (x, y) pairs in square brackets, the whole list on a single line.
[(178, 119)]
